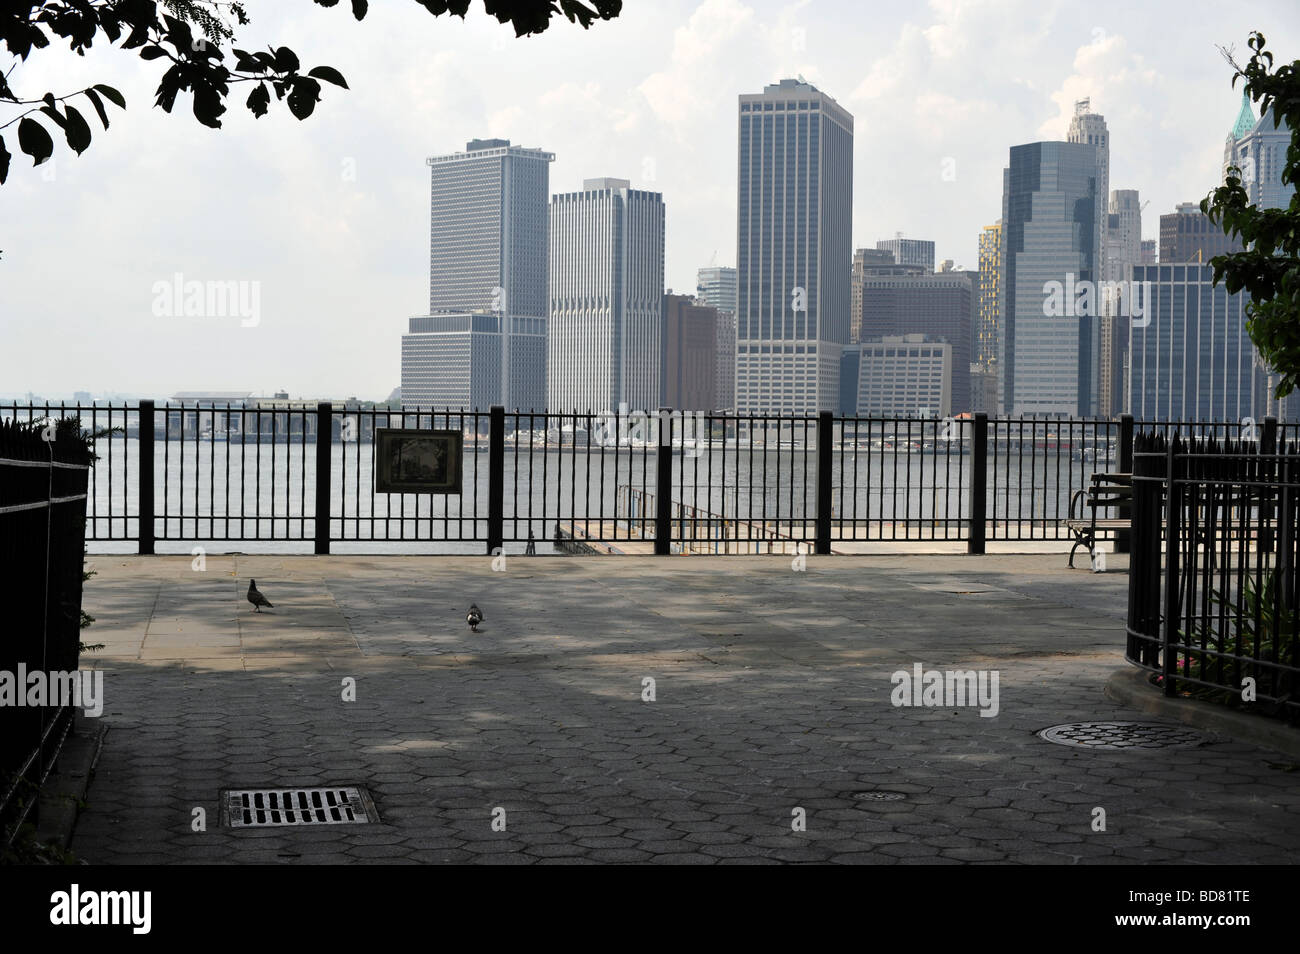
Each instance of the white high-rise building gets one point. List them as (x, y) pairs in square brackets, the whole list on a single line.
[(605, 326), (793, 249), (481, 342), (1122, 250), (1089, 127), (716, 287), (1258, 149)]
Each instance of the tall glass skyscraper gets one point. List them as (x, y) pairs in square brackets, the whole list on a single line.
[(716, 287), (605, 331), (483, 340), (1050, 233), (1190, 356), (793, 249)]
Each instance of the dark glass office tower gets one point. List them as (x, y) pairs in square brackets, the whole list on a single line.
[(1193, 360), (1050, 233)]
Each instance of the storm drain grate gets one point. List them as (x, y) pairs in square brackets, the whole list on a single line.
[(265, 807), (879, 795), (1121, 735)]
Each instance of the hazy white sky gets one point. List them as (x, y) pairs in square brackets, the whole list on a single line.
[(329, 217)]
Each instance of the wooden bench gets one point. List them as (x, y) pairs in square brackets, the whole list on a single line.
[(1104, 491)]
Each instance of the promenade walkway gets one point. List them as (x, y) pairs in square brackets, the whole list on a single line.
[(772, 693)]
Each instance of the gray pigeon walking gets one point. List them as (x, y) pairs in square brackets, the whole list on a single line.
[(474, 617), (256, 598)]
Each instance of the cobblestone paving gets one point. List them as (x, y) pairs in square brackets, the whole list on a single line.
[(772, 693)]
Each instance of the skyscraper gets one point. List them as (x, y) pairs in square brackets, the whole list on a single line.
[(716, 286), (1123, 249), (1258, 149), (1049, 362), (793, 247), (936, 305), (987, 293), (606, 298), (864, 260), (1188, 235), (909, 251), (690, 360), (1090, 128), (487, 280), (1193, 360)]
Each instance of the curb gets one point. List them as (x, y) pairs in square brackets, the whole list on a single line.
[(68, 785), (1129, 687)]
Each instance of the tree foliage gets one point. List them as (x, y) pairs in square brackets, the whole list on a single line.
[(194, 41), (1269, 268)]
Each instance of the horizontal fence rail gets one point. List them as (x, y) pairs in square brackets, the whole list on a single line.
[(650, 482)]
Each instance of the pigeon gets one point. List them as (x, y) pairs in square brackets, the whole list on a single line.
[(256, 598), (474, 617)]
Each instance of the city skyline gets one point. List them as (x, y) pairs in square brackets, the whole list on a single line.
[(343, 197)]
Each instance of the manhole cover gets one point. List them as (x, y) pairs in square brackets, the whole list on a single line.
[(878, 795), (265, 807), (1121, 735)]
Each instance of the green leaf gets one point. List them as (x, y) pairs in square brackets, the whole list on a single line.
[(34, 140), (4, 161), (112, 95), (330, 75), (99, 106), (77, 130)]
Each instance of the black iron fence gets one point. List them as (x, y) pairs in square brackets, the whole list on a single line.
[(659, 482), (43, 481), (1223, 619)]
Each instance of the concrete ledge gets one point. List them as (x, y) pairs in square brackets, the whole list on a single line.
[(66, 787), (1129, 687)]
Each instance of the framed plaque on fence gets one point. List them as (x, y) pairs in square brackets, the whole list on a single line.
[(409, 461)]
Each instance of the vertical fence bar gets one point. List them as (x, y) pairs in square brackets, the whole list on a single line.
[(825, 430), (144, 489), (497, 476), (978, 483), (664, 485), (1123, 538), (1267, 445), (324, 474), (1173, 541)]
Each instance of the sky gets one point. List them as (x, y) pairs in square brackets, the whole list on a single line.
[(323, 224)]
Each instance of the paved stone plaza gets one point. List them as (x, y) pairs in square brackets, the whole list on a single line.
[(772, 692)]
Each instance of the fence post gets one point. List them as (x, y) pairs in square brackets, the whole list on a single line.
[(979, 480), (497, 478), (825, 432), (664, 485), (1123, 538), (144, 480), (1173, 541), (324, 474), (1267, 473), (1144, 567)]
